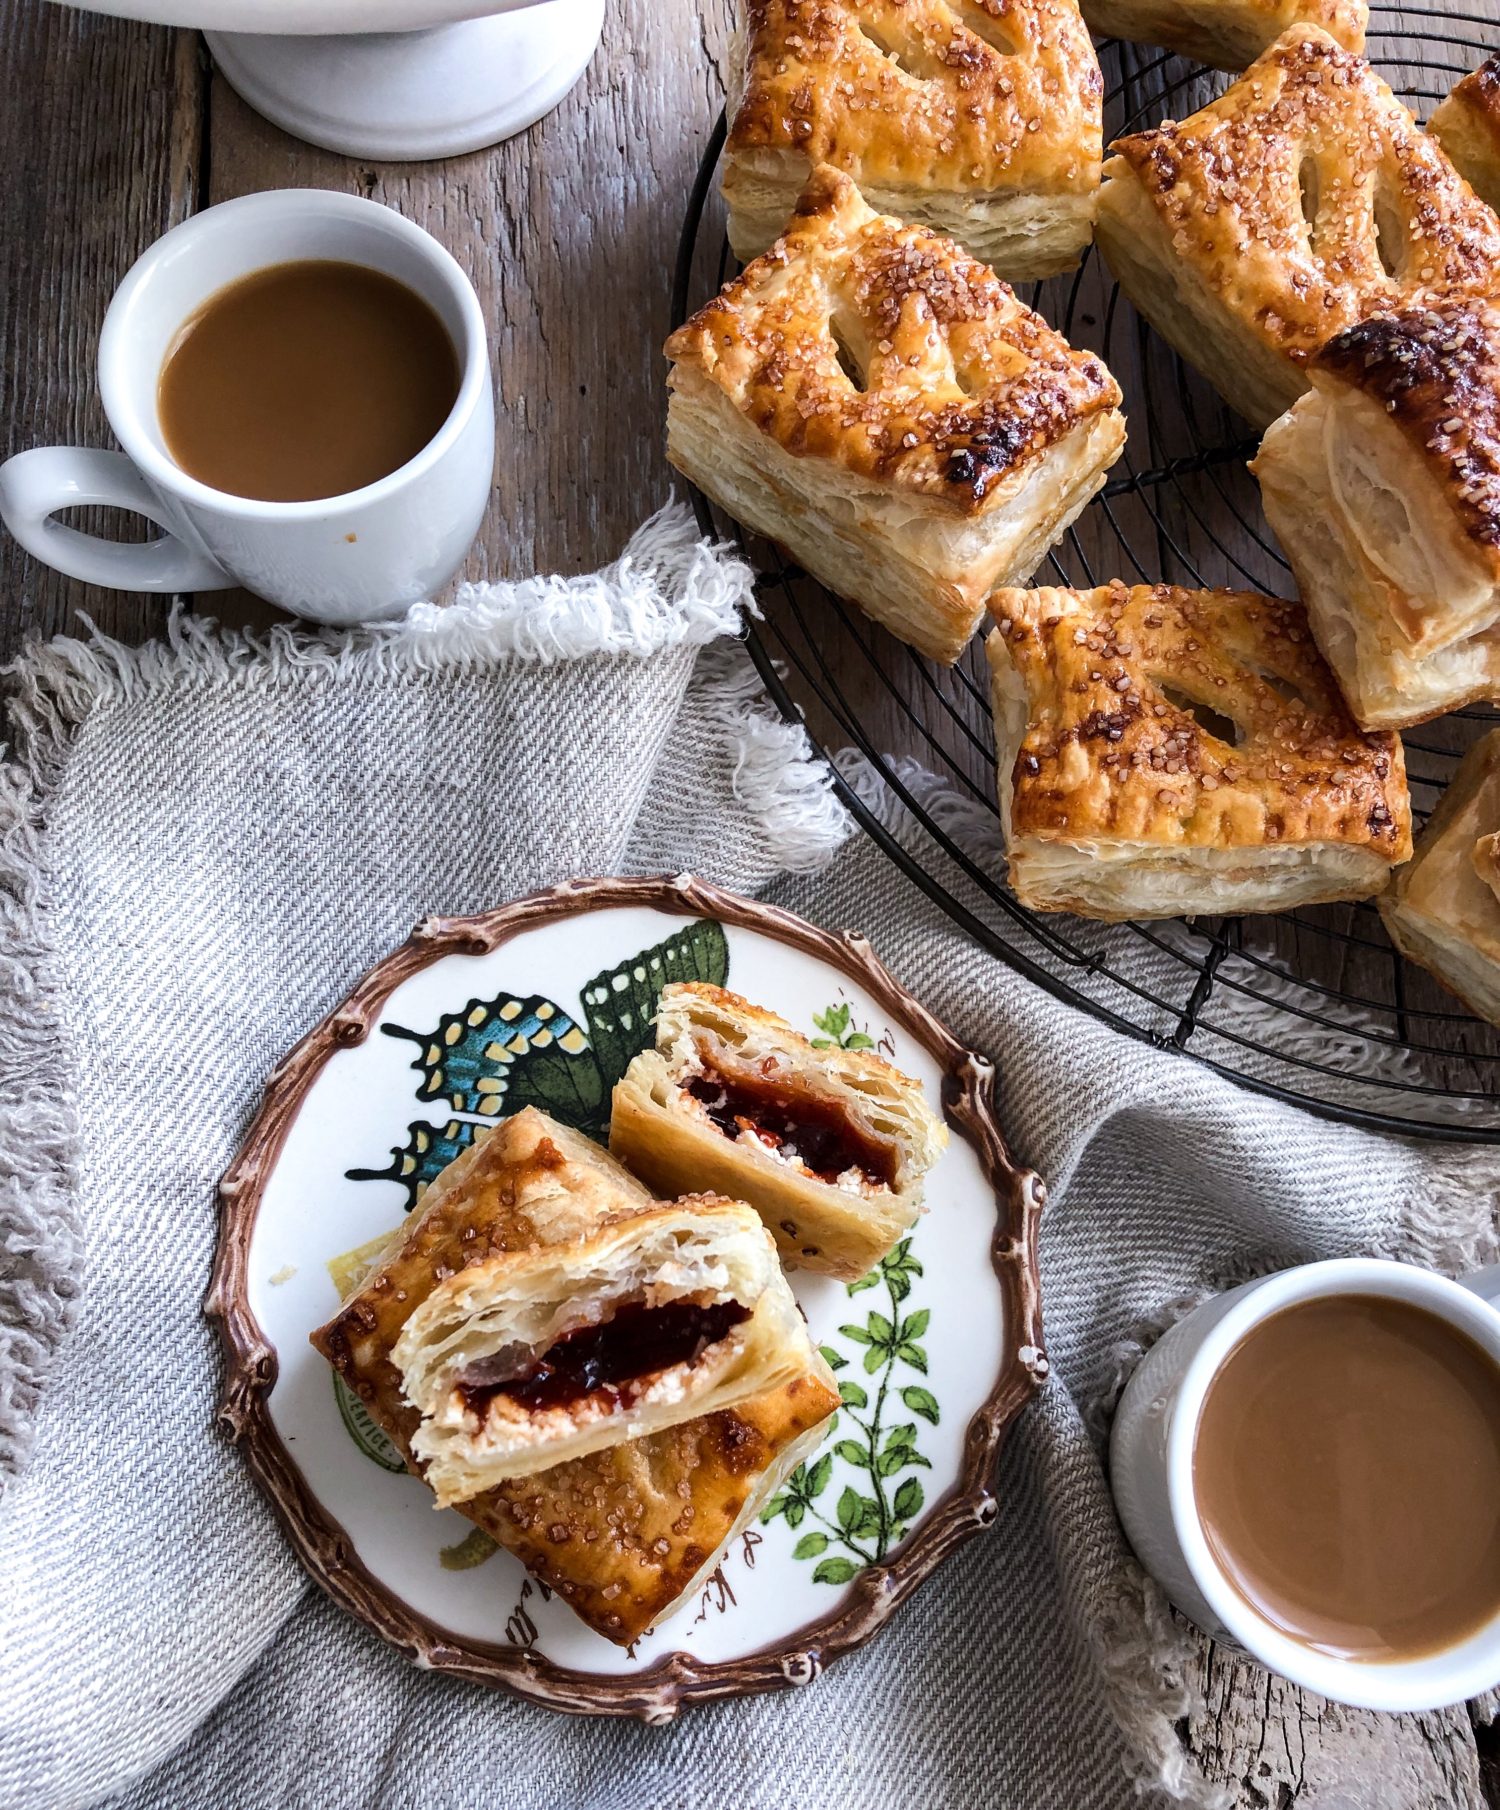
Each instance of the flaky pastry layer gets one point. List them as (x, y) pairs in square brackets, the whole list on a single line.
[(1383, 485), (1467, 126), (1441, 911)]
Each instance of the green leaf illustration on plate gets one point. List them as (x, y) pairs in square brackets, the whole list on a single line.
[(494, 1056), (876, 1442), (838, 1030)]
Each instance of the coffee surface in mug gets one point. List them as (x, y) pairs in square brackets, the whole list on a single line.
[(305, 380), (1346, 1470)]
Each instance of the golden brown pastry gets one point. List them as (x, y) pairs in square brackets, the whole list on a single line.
[(1170, 753), (981, 118), (1442, 910), (882, 405), (1226, 33), (1467, 126), (1303, 199), (1383, 486), (830, 1146), (519, 1354), (625, 1534)]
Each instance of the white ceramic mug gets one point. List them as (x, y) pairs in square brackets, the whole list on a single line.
[(352, 558), (1151, 1473)]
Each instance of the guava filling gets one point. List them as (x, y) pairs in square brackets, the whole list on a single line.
[(616, 1357)]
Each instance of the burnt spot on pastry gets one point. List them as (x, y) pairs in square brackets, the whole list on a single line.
[(1436, 373)]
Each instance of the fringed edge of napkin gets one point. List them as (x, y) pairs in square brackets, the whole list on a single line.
[(775, 772), (669, 588), (41, 1236)]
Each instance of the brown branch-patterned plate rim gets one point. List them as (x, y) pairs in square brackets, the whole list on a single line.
[(656, 1694)]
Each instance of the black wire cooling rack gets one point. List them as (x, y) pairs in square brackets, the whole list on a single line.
[(1314, 1007)]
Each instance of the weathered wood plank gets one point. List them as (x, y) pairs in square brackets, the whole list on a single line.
[(100, 140)]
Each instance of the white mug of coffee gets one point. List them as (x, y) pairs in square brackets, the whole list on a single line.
[(1309, 1465), (366, 553)]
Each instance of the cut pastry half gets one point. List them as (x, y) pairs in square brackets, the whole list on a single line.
[(1442, 910), (830, 1146), (1228, 34), (1383, 485), (981, 118), (516, 1355), (872, 398), (626, 1534), (1302, 200), (1173, 753), (1467, 126)]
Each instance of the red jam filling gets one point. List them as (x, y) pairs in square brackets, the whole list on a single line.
[(620, 1352), (817, 1131)]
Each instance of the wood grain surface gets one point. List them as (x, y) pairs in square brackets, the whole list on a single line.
[(110, 132)]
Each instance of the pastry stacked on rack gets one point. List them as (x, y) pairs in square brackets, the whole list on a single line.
[(980, 118), (1382, 483), (874, 399), (1467, 126), (1303, 200), (877, 401), (1164, 753), (610, 1384)]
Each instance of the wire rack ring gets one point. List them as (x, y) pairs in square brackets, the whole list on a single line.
[(1314, 1007)]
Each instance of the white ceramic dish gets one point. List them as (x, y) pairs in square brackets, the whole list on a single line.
[(935, 1352), (401, 79)]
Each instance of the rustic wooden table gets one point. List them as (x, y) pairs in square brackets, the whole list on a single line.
[(111, 132)]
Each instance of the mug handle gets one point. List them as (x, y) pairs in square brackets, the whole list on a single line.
[(35, 485)]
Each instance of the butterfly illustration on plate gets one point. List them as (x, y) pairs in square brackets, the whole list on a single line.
[(495, 1056)]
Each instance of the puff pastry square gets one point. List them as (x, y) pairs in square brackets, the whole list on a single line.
[(1442, 910), (1302, 200), (1225, 33), (882, 405), (1170, 753), (1383, 485), (830, 1146), (981, 118), (628, 1533), (519, 1354), (1467, 126)]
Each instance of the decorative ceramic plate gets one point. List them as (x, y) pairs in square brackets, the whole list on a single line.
[(545, 1002)]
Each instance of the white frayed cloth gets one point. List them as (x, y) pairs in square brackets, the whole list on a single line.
[(202, 844)]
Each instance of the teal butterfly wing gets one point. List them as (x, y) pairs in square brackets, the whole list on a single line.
[(418, 1162), (498, 1055)]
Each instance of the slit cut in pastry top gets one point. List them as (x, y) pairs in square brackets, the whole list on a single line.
[(796, 1125), (615, 1358)]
